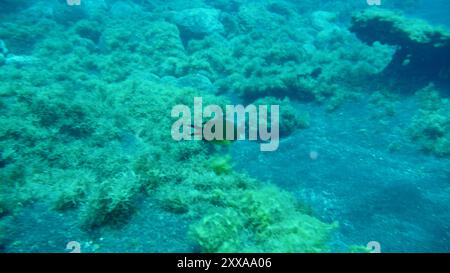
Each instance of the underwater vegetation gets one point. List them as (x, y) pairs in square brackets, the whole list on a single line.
[(431, 125), (86, 94), (289, 120), (266, 220), (99, 161), (423, 50)]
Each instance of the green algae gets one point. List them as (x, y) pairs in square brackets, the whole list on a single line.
[(87, 127)]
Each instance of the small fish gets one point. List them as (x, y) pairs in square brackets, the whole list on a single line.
[(198, 131)]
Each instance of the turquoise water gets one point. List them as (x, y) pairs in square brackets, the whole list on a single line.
[(87, 153)]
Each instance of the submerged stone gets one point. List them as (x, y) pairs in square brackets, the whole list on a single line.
[(423, 50), (3, 49)]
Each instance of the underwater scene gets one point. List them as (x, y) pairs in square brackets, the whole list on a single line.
[(248, 126)]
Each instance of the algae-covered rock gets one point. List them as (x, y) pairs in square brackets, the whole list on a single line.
[(430, 127), (254, 15), (13, 5), (198, 21), (111, 202), (65, 14), (432, 131), (289, 119), (20, 60), (88, 128), (262, 220), (3, 50), (321, 20), (122, 9), (322, 62), (226, 5), (423, 49)]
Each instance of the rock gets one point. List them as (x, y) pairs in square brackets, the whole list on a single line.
[(67, 14), (227, 5), (153, 77), (197, 81), (13, 5), (19, 60), (423, 51), (198, 21), (321, 20), (145, 76), (93, 7)]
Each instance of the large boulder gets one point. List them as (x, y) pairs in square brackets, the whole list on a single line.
[(197, 22)]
